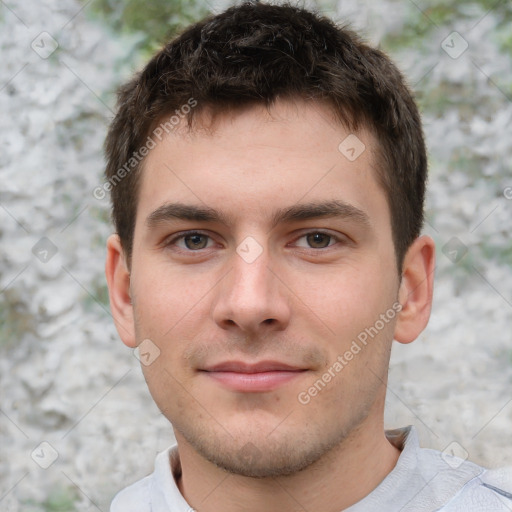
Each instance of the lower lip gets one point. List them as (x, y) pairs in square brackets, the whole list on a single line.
[(254, 382)]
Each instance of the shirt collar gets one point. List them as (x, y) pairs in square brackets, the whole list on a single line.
[(423, 480)]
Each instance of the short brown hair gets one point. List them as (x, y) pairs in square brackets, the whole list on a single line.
[(257, 53)]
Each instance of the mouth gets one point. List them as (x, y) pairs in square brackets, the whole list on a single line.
[(259, 377)]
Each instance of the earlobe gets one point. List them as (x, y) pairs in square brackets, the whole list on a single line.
[(416, 289), (118, 280)]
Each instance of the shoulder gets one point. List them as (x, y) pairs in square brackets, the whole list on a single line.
[(429, 480), (135, 498), (491, 490)]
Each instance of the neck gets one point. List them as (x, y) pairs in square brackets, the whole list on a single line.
[(341, 478)]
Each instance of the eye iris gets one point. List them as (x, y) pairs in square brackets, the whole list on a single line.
[(317, 240), (196, 241)]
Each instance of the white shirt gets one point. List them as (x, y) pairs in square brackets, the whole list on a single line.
[(423, 480)]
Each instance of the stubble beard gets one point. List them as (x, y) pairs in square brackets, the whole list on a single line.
[(260, 455)]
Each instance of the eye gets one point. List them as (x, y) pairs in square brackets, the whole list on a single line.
[(194, 241), (191, 241), (317, 240)]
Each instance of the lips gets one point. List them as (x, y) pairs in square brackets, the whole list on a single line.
[(262, 366), (258, 377)]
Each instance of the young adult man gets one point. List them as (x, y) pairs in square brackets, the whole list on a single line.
[(267, 172)]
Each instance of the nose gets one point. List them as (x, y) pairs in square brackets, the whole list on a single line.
[(252, 298)]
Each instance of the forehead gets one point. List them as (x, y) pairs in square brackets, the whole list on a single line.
[(247, 163)]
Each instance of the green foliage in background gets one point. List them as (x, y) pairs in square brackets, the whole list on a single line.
[(156, 20), (438, 13), (433, 18), (15, 319), (59, 500)]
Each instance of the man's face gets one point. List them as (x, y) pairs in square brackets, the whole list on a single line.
[(256, 286)]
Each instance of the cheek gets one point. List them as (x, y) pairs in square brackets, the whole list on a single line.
[(166, 299), (348, 298), (172, 309)]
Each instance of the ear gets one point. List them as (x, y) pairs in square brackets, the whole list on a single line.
[(416, 289), (118, 280)]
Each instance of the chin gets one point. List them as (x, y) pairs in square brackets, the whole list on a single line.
[(262, 449)]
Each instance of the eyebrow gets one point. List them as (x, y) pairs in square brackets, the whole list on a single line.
[(304, 211)]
